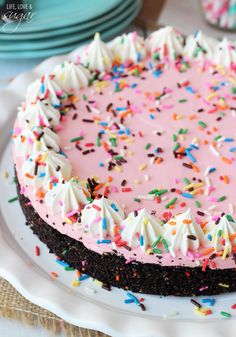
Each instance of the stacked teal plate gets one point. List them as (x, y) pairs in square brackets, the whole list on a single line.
[(59, 26)]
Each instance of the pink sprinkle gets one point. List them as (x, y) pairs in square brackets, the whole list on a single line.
[(68, 215), (212, 199), (114, 189), (97, 219), (203, 288)]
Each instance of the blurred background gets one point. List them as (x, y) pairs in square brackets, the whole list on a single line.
[(32, 30)]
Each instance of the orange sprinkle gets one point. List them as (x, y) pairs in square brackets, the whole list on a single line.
[(30, 176), (208, 251), (109, 179), (232, 236), (98, 187), (174, 115), (195, 168), (174, 232), (172, 223), (115, 230), (117, 278), (54, 274), (78, 273), (234, 249), (41, 194), (191, 117), (226, 179), (159, 160), (205, 142), (226, 160), (187, 222)]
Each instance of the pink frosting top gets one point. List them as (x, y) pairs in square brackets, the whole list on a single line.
[(150, 120)]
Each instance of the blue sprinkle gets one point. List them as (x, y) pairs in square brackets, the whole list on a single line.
[(141, 240), (128, 301), (62, 263), (42, 175), (63, 154), (101, 164), (194, 146), (83, 277), (134, 85), (104, 223), (157, 73), (191, 157), (209, 301), (102, 132), (11, 132), (114, 207), (127, 131), (103, 241), (150, 66), (212, 169), (187, 195), (216, 87), (136, 301), (228, 140), (42, 88), (103, 123), (190, 89), (152, 116), (120, 132), (209, 236), (121, 109), (139, 57), (232, 149)]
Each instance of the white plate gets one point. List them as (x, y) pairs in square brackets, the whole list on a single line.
[(102, 310)]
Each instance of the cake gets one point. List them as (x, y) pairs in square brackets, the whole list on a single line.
[(125, 162)]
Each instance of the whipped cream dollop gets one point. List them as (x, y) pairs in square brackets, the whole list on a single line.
[(37, 139), (199, 47), (102, 218), (97, 55), (45, 88), (222, 235), (225, 54), (71, 76), (141, 229), (183, 233), (45, 168), (165, 43), (128, 47), (38, 113), (67, 197)]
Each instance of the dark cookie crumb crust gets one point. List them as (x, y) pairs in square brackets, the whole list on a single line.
[(112, 269)]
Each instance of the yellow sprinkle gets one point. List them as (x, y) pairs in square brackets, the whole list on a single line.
[(181, 137), (224, 285), (148, 251), (129, 140), (137, 181), (99, 283), (211, 96), (226, 250), (5, 175), (118, 169), (68, 221), (178, 117), (75, 283), (145, 221), (142, 167)]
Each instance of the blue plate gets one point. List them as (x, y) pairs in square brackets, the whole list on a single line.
[(106, 35), (53, 14), (8, 46), (69, 29)]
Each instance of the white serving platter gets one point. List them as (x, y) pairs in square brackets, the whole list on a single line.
[(88, 305)]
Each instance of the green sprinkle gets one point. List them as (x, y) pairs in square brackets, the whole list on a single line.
[(12, 199), (98, 141), (148, 146), (229, 217), (160, 192), (156, 242), (174, 137), (198, 204), (202, 124), (233, 89), (171, 203), (183, 100), (69, 268), (218, 137), (186, 181), (137, 200), (165, 244), (118, 157), (225, 314), (64, 252), (177, 145), (89, 199), (219, 233), (84, 97), (76, 139), (157, 251), (113, 141), (180, 131), (153, 191), (222, 198)]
